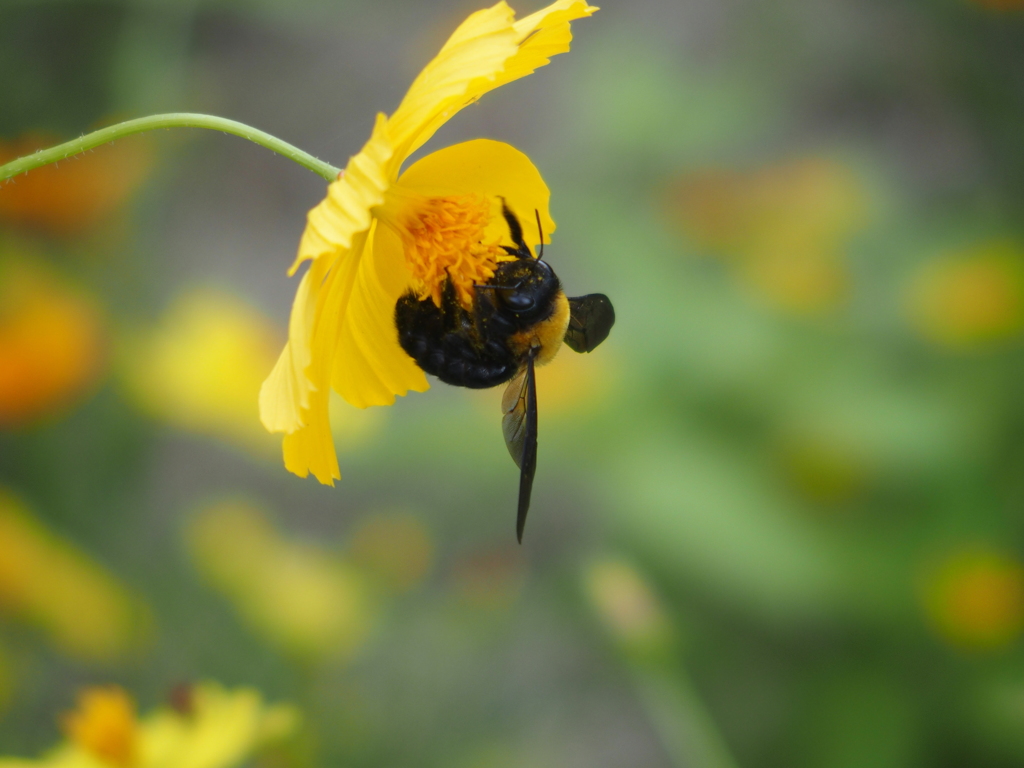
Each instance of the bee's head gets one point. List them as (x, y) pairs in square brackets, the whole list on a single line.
[(526, 288)]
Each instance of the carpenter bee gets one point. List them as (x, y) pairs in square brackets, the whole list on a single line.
[(519, 319)]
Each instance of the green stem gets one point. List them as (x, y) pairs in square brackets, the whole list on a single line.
[(172, 120)]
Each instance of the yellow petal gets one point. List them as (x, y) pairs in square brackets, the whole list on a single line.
[(345, 212), (370, 367), (544, 34), (487, 50), (311, 448), (330, 231), (285, 393), (492, 169)]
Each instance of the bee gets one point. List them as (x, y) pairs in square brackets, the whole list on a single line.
[(519, 320)]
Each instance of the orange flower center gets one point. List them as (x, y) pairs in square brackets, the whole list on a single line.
[(445, 237), (105, 725)]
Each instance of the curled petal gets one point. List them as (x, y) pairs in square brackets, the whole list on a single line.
[(543, 34), (345, 212), (487, 50), (370, 367), (311, 448), (285, 393)]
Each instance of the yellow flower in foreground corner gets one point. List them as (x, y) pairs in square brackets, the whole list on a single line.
[(378, 233), (211, 728)]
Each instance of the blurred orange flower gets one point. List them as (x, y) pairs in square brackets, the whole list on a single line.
[(69, 197), (976, 598), (51, 343), (45, 581), (971, 296), (784, 226)]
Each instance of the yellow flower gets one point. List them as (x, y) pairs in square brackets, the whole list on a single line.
[(201, 368), (294, 593), (215, 728), (378, 233), (970, 297), (45, 581)]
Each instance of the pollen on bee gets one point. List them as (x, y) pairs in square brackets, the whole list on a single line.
[(445, 237)]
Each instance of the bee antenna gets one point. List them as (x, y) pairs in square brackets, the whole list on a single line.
[(540, 231)]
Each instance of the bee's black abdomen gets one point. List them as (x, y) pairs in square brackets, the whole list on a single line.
[(446, 344), (478, 347)]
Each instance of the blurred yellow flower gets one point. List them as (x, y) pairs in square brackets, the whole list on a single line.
[(378, 234), (294, 593), (784, 225), (221, 729), (200, 369), (51, 343), (825, 469), (47, 582), (975, 599), (68, 197), (395, 549), (626, 604), (572, 383), (105, 726), (797, 277), (970, 297)]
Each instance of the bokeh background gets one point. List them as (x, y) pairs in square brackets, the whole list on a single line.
[(779, 515)]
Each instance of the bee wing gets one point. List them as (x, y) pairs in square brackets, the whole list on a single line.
[(513, 420), (519, 425), (591, 318)]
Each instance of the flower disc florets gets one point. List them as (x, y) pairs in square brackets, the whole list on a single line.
[(445, 237)]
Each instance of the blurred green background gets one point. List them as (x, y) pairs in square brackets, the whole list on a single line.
[(779, 515)]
